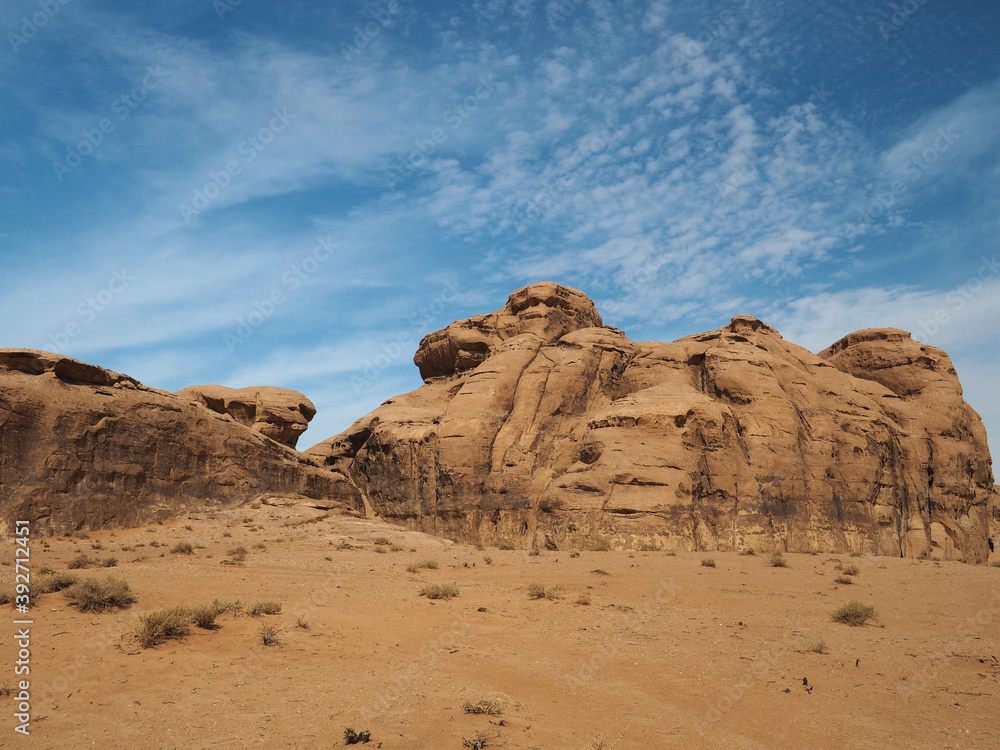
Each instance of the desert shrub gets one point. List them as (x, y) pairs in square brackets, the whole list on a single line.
[(777, 561), (846, 580), (78, 562), (574, 553), (429, 564), (227, 534), (854, 613), (382, 540), (708, 562), (487, 559), (353, 738), (56, 582), (819, 646), (485, 706), (109, 562), (302, 622), (6, 596), (598, 545), (94, 595), (851, 570), (439, 591), (268, 634), (183, 548), (155, 627), (583, 600), (264, 608), (480, 740), (381, 551), (749, 552), (395, 548), (538, 591), (203, 615), (222, 606)]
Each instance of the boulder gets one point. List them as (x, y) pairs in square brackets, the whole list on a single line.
[(279, 413)]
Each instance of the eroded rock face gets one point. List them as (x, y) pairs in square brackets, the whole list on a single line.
[(86, 448), (279, 413), (539, 426)]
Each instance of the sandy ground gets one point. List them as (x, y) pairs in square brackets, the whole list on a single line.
[(667, 654)]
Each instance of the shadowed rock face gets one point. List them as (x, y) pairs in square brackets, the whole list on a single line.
[(279, 413), (86, 448), (538, 425)]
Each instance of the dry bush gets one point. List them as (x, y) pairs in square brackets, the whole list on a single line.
[(269, 634), (844, 580), (708, 562), (382, 540), (94, 595), (80, 561), (538, 591), (439, 591), (851, 570), (183, 548), (818, 646), (203, 615), (583, 600), (157, 626), (777, 561), (854, 613), (264, 608), (485, 706)]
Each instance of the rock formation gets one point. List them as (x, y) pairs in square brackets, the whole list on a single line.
[(279, 413), (537, 425), (86, 448)]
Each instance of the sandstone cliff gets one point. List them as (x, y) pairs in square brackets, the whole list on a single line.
[(539, 426), (86, 448)]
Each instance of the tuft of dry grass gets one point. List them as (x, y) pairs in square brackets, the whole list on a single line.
[(851, 570), (708, 562), (183, 548), (777, 561), (79, 562), (583, 600), (847, 581), (818, 646)]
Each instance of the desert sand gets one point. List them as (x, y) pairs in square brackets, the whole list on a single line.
[(668, 653)]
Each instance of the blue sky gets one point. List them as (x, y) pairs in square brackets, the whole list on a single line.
[(293, 193)]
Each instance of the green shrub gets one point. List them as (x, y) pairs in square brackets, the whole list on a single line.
[(854, 613)]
